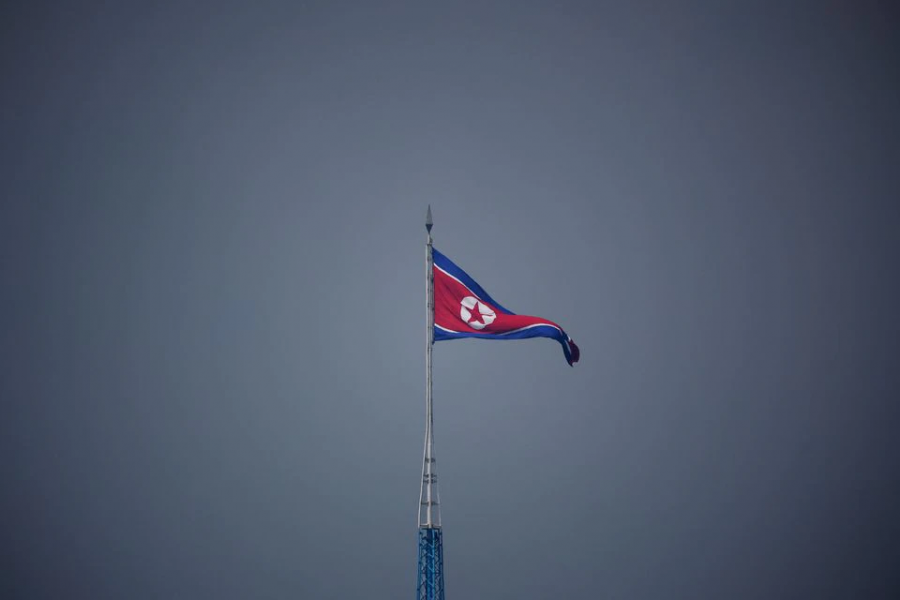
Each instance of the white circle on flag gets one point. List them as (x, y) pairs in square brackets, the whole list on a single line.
[(475, 313)]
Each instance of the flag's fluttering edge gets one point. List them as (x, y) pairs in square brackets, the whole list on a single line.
[(463, 309)]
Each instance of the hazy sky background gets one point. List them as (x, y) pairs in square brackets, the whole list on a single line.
[(211, 239)]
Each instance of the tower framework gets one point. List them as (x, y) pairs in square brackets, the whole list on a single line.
[(430, 572), (430, 578)]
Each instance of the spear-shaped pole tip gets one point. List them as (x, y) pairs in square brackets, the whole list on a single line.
[(428, 222)]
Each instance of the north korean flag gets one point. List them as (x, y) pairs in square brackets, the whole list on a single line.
[(462, 309)]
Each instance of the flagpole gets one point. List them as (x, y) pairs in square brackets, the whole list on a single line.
[(428, 492), (430, 570)]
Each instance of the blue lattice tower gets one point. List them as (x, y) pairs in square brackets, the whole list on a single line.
[(430, 573), (430, 583)]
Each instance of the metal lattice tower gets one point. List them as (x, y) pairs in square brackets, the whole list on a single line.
[(430, 573)]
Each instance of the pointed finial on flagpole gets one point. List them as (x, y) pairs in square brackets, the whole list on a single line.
[(428, 221)]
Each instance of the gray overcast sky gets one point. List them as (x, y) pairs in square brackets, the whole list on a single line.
[(211, 239)]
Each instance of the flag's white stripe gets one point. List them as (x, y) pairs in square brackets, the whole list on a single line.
[(529, 327), (460, 283), (445, 329), (505, 332)]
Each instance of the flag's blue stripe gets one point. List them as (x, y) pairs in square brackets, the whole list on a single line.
[(447, 265), (533, 332), (547, 331)]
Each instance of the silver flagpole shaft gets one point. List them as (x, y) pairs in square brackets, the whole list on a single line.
[(430, 572), (428, 492)]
